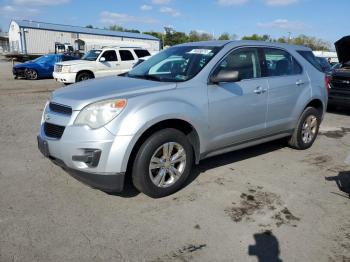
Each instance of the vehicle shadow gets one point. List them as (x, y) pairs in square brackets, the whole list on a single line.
[(266, 247), (129, 190), (210, 163), (233, 157), (39, 79), (342, 180)]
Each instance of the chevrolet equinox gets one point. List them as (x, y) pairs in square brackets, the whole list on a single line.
[(187, 103)]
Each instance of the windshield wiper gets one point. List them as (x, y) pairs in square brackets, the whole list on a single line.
[(147, 77)]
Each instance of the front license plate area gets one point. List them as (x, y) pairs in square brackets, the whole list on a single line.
[(43, 147)]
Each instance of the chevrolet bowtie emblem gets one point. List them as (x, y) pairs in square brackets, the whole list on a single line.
[(47, 117)]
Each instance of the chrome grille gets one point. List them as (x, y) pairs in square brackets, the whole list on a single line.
[(58, 68), (61, 109)]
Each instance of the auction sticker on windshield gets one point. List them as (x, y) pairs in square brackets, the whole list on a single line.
[(200, 51)]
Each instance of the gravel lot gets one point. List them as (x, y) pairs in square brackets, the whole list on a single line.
[(268, 202)]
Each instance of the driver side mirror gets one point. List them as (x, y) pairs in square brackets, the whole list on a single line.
[(102, 59), (225, 76)]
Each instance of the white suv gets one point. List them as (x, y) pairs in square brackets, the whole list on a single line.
[(98, 63)]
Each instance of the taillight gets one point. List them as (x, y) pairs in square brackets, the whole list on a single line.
[(327, 82)]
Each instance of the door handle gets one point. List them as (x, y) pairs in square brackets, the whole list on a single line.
[(259, 90), (300, 82)]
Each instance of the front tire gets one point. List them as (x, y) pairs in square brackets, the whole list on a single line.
[(307, 129), (84, 76), (31, 74), (162, 163)]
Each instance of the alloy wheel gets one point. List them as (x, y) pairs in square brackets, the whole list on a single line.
[(167, 164), (309, 129)]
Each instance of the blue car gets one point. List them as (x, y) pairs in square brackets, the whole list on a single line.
[(42, 67)]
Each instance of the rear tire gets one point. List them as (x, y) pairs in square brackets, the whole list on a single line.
[(84, 76), (306, 130), (163, 163)]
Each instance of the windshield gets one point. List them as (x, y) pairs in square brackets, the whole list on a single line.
[(176, 64), (91, 55), (45, 59)]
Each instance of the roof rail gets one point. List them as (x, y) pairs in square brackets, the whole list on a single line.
[(109, 46)]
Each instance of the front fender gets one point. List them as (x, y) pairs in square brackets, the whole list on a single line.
[(139, 120), (85, 68), (141, 117)]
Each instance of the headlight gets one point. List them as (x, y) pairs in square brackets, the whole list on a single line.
[(66, 69), (99, 114)]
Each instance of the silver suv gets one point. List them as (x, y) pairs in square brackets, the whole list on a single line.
[(185, 104)]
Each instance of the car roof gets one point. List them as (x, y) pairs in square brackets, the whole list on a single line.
[(233, 43), (122, 47)]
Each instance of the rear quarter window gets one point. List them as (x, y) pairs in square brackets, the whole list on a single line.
[(310, 57), (141, 53)]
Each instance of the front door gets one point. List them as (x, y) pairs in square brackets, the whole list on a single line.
[(107, 66), (237, 111)]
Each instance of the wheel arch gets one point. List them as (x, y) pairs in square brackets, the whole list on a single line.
[(184, 126), (316, 103), (84, 71)]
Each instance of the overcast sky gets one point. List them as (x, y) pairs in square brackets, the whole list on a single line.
[(320, 18)]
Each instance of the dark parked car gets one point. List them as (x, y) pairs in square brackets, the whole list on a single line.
[(326, 67), (339, 85), (336, 66), (42, 67)]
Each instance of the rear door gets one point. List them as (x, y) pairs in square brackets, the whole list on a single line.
[(287, 81), (109, 66), (127, 61)]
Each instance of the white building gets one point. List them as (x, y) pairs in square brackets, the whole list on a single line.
[(30, 37), (4, 42), (326, 54)]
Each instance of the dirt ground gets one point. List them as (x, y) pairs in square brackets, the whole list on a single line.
[(266, 203)]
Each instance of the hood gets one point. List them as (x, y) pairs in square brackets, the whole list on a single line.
[(342, 72), (342, 47), (26, 64), (75, 62), (83, 93)]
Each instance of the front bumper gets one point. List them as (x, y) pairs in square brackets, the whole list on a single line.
[(18, 72), (95, 157), (108, 182), (67, 78)]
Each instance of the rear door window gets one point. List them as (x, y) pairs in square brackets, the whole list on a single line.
[(280, 63), (310, 57), (126, 55)]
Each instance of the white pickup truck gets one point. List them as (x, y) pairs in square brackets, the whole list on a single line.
[(98, 63)]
